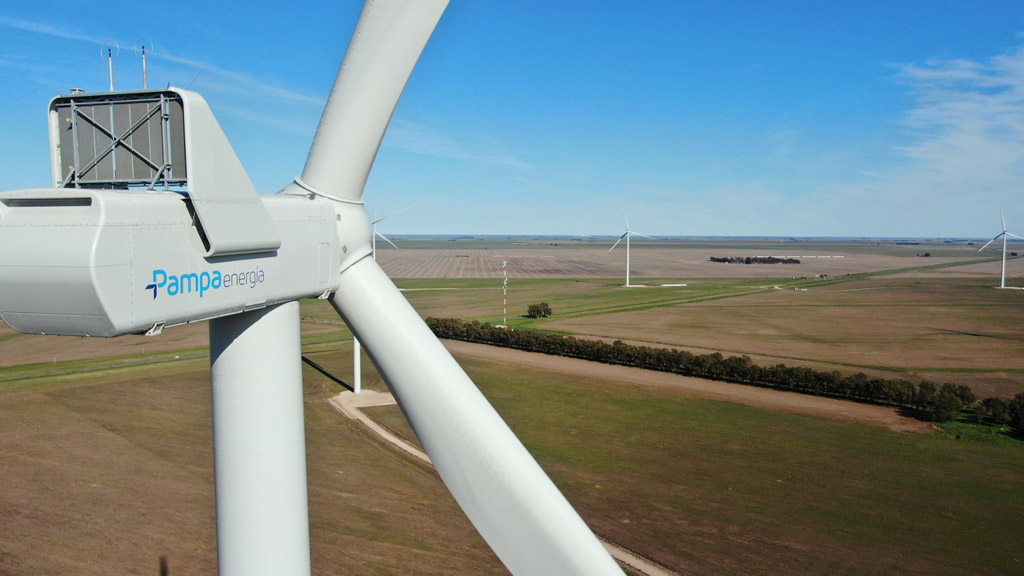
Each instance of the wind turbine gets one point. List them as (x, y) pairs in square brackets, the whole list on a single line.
[(1003, 235), (626, 235), (377, 234), (95, 256)]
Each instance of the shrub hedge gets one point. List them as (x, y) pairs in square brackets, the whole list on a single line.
[(926, 399)]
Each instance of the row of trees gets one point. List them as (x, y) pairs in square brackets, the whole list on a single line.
[(939, 403), (1002, 412), (753, 260)]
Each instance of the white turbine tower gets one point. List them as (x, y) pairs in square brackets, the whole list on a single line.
[(626, 235), (92, 257), (1003, 235)]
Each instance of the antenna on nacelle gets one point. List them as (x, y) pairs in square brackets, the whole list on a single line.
[(140, 48), (110, 46)]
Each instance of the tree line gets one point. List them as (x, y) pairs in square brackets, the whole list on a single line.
[(940, 403), (753, 260)]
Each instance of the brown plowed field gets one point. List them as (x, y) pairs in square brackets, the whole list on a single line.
[(888, 326), (646, 261)]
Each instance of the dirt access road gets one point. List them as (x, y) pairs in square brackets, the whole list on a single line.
[(351, 405), (776, 400)]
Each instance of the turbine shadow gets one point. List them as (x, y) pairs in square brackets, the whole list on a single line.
[(979, 335), (330, 376)]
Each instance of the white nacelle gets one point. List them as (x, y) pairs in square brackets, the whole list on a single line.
[(92, 262)]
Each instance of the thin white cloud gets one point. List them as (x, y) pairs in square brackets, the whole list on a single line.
[(963, 154), (299, 125), (960, 159), (538, 185), (238, 83), (417, 139), (968, 121), (46, 29), (219, 78)]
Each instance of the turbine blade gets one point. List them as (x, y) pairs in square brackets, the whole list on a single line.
[(644, 235), (617, 241), (384, 238), (991, 241), (626, 219), (503, 491), (385, 46), (1002, 214), (376, 220), (1014, 235)]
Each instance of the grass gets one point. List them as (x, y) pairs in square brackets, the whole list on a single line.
[(481, 299), (720, 488), (13, 377), (371, 510), (724, 488), (967, 431)]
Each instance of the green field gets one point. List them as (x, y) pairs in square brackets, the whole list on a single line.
[(720, 488)]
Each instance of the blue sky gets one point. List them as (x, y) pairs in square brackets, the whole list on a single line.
[(728, 118)]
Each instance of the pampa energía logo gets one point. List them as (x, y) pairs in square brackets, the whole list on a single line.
[(202, 282)]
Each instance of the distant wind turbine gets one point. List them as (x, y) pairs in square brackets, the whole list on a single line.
[(1003, 235), (626, 235), (381, 219)]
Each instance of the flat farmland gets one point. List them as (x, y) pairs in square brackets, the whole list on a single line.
[(945, 329), (106, 461), (654, 260), (110, 471), (857, 306)]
